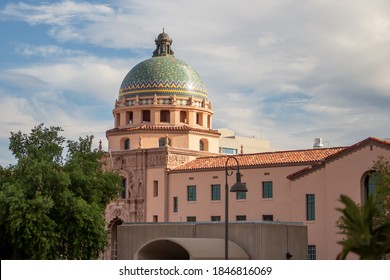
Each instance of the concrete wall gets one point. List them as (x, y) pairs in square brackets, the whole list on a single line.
[(229, 139), (260, 240)]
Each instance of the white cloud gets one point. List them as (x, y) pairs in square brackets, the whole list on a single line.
[(14, 112), (267, 39), (90, 77), (46, 51), (328, 59), (61, 13), (23, 113)]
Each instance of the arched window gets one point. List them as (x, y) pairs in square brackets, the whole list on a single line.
[(369, 185), (126, 144), (162, 141), (201, 145)]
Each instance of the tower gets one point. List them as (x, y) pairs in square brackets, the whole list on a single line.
[(162, 118)]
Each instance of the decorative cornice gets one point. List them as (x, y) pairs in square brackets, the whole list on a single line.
[(154, 128)]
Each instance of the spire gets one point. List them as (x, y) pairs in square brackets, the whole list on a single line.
[(163, 45)]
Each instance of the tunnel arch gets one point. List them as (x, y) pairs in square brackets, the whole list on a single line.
[(189, 249)]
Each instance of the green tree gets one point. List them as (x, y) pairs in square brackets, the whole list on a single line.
[(381, 169), (52, 207), (362, 236)]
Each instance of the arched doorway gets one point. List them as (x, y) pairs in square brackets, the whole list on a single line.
[(114, 238)]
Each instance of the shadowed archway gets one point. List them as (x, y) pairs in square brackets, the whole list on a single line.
[(189, 249)]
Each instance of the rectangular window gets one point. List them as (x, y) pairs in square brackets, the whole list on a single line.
[(191, 218), (310, 207), (241, 218), (146, 115), (191, 193), (241, 195), (311, 252), (215, 192), (183, 116), (126, 144), (267, 189), (199, 118), (165, 116), (175, 204), (215, 218), (155, 188), (268, 217), (123, 192), (155, 218), (229, 151), (117, 119), (129, 117)]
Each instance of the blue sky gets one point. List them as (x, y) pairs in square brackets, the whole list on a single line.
[(285, 70)]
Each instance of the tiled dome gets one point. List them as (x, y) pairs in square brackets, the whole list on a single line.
[(163, 75)]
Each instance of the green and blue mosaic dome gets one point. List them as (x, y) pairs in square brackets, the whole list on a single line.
[(163, 75)]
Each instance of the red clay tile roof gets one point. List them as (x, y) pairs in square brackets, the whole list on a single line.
[(336, 155), (268, 158), (164, 128), (315, 157)]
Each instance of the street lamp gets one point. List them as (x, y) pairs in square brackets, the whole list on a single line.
[(237, 187)]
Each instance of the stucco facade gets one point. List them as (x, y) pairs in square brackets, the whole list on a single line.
[(342, 172), (167, 154)]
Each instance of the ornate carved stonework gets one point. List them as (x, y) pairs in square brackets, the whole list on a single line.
[(117, 163), (140, 212), (130, 160), (156, 159), (130, 166), (130, 185), (117, 211), (176, 159), (132, 209)]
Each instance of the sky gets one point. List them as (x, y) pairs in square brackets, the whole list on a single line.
[(287, 71)]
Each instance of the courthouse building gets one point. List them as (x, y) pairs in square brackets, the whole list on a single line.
[(170, 159)]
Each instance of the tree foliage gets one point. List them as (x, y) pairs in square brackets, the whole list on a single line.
[(52, 207), (363, 237), (367, 227), (381, 168)]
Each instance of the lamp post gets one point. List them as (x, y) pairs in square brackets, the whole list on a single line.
[(237, 187)]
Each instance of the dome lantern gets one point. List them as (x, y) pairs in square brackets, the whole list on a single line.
[(163, 45)]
